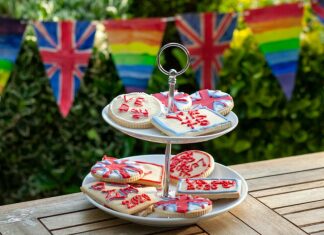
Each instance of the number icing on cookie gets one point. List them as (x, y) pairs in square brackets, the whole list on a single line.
[(136, 113), (213, 99), (208, 185), (185, 163), (192, 118), (136, 200), (181, 100), (183, 204), (112, 194), (115, 168)]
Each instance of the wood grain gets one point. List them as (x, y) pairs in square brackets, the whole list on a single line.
[(263, 219), (226, 224), (286, 179), (293, 198), (307, 217), (281, 165), (300, 207), (285, 189), (314, 228)]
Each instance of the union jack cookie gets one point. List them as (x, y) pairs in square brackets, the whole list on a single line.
[(183, 206), (115, 170)]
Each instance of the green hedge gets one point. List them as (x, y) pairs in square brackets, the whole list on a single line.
[(43, 155)]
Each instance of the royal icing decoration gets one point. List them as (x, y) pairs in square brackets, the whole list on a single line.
[(136, 113), (190, 164), (183, 204), (153, 174), (192, 122), (116, 168), (181, 100), (213, 99)]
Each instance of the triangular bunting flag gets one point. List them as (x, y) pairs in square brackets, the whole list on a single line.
[(318, 8), (206, 36), (65, 48), (134, 45), (277, 30), (11, 35)]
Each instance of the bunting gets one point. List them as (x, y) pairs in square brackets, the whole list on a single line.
[(206, 36), (11, 35), (65, 48), (318, 8), (277, 30), (134, 45)]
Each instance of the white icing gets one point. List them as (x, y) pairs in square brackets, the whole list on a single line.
[(180, 105), (150, 103), (175, 128)]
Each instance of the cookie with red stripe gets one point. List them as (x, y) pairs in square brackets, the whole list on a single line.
[(115, 170), (216, 100), (183, 206), (124, 198), (153, 174), (191, 164), (182, 101)]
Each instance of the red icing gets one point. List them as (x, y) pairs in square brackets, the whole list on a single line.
[(114, 194), (147, 173), (109, 164), (137, 199), (209, 184), (182, 202), (208, 101), (191, 118), (136, 113), (184, 163)]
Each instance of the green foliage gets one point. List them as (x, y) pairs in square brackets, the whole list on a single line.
[(42, 154)]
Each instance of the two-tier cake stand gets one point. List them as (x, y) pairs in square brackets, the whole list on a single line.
[(154, 135)]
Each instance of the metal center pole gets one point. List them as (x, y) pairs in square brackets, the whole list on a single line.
[(166, 179)]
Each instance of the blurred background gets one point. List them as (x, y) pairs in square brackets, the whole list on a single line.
[(42, 154)]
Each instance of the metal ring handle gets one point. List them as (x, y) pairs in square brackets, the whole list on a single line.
[(173, 44)]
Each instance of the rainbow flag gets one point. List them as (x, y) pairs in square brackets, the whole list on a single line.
[(318, 8), (134, 45), (11, 34), (277, 30)]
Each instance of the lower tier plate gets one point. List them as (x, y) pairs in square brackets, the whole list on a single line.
[(219, 206)]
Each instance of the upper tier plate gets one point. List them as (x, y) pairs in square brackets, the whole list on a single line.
[(154, 135)]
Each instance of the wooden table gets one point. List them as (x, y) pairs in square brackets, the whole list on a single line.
[(286, 196)]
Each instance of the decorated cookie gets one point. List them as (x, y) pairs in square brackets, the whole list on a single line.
[(182, 101), (183, 206), (153, 174), (134, 110), (124, 198), (216, 100), (210, 188), (191, 122), (191, 164), (115, 170)]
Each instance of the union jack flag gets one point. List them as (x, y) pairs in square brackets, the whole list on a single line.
[(207, 36), (65, 48)]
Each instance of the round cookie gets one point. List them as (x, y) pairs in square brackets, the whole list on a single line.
[(115, 170), (134, 110), (216, 100), (183, 206), (182, 101), (191, 164)]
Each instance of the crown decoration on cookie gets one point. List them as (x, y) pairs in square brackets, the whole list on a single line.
[(116, 168), (181, 100), (183, 204), (213, 99)]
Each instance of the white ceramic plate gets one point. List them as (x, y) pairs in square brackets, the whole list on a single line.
[(154, 135), (219, 206)]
